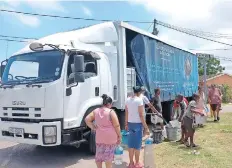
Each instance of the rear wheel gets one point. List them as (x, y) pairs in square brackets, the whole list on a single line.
[(92, 142)]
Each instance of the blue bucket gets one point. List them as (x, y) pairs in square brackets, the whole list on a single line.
[(124, 134)]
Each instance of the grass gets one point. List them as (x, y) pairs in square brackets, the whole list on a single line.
[(215, 147)]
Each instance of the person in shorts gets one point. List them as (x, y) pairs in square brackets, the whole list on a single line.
[(188, 120), (215, 99), (146, 102), (183, 106), (134, 123), (156, 101)]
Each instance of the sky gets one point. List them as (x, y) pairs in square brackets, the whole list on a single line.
[(206, 15)]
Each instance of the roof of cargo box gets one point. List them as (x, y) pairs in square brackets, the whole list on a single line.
[(88, 37), (133, 28)]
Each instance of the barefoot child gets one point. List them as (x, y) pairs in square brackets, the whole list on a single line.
[(188, 120)]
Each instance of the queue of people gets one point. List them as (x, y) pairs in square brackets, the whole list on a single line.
[(105, 122)]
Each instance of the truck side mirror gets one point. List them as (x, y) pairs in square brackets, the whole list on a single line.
[(2, 68), (79, 68)]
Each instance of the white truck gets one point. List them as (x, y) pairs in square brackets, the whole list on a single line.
[(49, 86)]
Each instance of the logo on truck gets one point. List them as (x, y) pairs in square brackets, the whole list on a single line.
[(18, 103), (188, 68)]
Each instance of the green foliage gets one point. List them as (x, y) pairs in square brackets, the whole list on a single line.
[(227, 94), (213, 66)]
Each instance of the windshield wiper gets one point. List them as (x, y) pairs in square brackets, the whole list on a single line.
[(9, 84), (40, 80)]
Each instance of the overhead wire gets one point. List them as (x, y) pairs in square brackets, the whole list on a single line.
[(17, 37), (191, 32)]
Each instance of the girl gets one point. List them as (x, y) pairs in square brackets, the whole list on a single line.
[(108, 133), (135, 122), (188, 120)]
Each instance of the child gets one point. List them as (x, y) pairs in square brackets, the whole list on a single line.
[(188, 120)]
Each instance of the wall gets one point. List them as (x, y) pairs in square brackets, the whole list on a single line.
[(224, 79)]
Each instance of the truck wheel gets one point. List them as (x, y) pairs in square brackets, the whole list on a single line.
[(92, 142)]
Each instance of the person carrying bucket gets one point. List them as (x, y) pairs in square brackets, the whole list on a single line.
[(134, 124)]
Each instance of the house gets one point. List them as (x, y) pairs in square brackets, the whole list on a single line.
[(219, 79)]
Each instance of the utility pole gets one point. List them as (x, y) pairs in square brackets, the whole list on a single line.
[(205, 59), (155, 30)]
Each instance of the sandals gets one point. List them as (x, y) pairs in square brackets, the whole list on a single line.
[(131, 165), (139, 165)]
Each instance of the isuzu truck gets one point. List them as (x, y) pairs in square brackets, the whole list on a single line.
[(51, 85)]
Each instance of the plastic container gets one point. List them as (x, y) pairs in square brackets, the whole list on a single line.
[(157, 135), (118, 153), (149, 154), (124, 134), (173, 133)]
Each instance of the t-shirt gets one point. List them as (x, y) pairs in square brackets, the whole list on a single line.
[(176, 105), (145, 99), (157, 103), (189, 113), (132, 104), (214, 96)]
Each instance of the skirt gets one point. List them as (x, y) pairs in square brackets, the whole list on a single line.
[(105, 152)]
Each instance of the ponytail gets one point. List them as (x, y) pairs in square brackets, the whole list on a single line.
[(106, 99)]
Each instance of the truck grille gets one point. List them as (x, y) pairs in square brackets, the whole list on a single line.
[(22, 112), (25, 135)]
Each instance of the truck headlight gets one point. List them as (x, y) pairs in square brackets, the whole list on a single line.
[(49, 134)]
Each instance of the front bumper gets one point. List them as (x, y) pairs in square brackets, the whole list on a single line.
[(33, 132)]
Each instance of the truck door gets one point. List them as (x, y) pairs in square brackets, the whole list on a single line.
[(77, 96)]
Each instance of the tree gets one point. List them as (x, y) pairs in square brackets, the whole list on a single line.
[(213, 66), (227, 94)]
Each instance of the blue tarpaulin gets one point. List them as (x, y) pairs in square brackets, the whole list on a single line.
[(159, 65)]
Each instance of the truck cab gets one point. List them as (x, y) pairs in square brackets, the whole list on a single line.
[(52, 84)]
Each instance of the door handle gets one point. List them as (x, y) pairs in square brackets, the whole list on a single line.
[(96, 91)]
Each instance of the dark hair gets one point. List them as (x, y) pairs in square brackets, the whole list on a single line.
[(106, 99), (157, 90), (199, 88), (196, 96), (137, 89)]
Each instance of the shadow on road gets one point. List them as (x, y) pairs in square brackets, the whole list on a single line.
[(28, 156)]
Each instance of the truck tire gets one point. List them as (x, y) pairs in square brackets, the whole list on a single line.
[(92, 142)]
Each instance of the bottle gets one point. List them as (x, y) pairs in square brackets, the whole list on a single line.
[(118, 155), (149, 154)]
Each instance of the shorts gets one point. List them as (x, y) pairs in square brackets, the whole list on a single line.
[(135, 135), (188, 125), (214, 106)]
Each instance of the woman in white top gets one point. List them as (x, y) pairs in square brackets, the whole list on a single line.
[(135, 122), (199, 119)]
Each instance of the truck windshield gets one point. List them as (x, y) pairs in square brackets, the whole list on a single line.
[(35, 67)]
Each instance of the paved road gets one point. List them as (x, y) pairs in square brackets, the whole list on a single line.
[(13, 155), (227, 108)]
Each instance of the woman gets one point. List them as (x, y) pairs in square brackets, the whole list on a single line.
[(215, 99), (135, 121), (200, 120), (188, 120), (108, 133)]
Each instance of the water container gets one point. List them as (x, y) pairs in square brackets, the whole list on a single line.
[(173, 133), (118, 153), (149, 154), (124, 134)]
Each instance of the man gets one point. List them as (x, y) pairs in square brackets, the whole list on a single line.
[(183, 105), (146, 101), (215, 99), (156, 101)]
